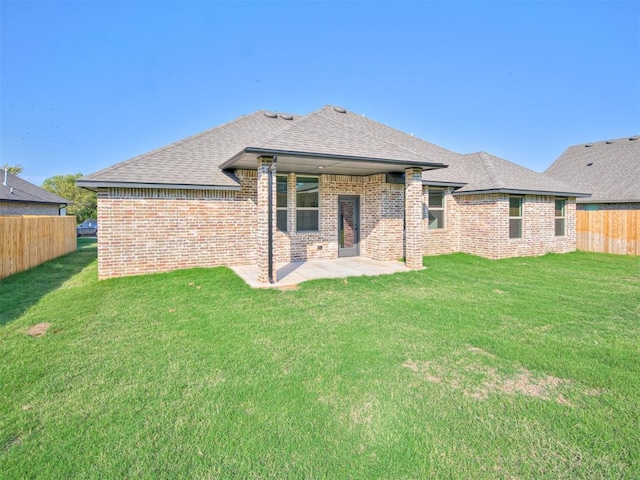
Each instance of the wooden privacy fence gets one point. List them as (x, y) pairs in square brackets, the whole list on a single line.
[(28, 241), (608, 231)]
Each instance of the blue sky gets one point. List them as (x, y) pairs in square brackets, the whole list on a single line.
[(87, 84)]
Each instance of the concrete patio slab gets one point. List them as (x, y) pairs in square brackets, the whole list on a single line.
[(293, 273)]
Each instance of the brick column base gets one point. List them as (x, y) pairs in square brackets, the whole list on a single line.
[(413, 218), (262, 234)]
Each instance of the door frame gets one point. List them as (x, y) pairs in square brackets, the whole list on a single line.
[(355, 250)]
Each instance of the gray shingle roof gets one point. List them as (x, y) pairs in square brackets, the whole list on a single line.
[(320, 132), (609, 169), (328, 131), (195, 160), (483, 172), (19, 190)]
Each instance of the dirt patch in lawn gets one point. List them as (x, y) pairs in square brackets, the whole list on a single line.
[(479, 374), (38, 329)]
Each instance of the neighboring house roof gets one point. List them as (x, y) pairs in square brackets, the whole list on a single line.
[(18, 190), (609, 169), (482, 172), (332, 137)]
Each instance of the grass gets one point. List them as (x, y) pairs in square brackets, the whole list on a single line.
[(471, 368)]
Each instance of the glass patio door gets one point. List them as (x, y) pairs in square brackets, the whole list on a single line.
[(348, 226)]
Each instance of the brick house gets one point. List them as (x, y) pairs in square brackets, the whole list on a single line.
[(272, 188), (609, 219), (19, 197)]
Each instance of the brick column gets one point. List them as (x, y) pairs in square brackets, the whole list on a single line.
[(413, 218), (262, 237)]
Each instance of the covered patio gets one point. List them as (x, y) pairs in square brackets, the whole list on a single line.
[(293, 273)]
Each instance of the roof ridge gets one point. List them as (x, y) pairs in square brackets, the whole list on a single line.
[(610, 140), (481, 154), (294, 121), (395, 145)]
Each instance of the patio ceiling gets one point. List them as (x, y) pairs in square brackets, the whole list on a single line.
[(318, 163)]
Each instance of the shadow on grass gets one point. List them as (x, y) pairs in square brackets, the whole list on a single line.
[(22, 290)]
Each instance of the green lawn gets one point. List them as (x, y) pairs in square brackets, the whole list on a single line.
[(471, 368)]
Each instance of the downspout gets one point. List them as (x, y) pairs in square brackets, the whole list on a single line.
[(270, 208)]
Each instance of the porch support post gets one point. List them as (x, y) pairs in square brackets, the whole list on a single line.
[(266, 225), (413, 218)]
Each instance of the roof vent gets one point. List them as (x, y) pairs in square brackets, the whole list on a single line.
[(589, 164), (635, 137), (340, 109), (589, 145), (286, 116), (270, 114), (609, 142)]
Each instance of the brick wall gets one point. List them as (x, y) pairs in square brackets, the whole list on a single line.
[(447, 239), (381, 220), (19, 208), (158, 230), (484, 226)]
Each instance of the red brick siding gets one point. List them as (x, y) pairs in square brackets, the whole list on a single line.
[(381, 220), (484, 226), (157, 230), (447, 239), (159, 233)]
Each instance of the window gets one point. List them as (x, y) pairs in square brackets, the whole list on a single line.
[(515, 217), (560, 220), (307, 204), (282, 195), (436, 208)]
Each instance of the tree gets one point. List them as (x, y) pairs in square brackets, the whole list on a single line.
[(84, 201), (15, 170)]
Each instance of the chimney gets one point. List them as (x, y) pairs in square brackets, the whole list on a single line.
[(6, 171)]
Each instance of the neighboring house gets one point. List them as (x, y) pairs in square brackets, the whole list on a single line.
[(19, 197), (341, 184), (608, 220)]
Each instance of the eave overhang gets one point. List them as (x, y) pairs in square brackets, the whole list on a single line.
[(600, 200), (323, 163), (513, 191), (37, 202), (94, 185), (443, 184)]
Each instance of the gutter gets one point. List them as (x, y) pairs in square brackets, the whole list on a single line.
[(95, 184), (523, 192)]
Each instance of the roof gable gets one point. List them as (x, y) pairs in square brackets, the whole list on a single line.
[(609, 169)]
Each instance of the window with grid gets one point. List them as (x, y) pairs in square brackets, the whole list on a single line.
[(307, 204), (282, 202), (436, 208), (515, 217), (560, 217)]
